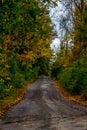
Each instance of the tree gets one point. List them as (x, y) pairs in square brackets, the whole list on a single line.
[(25, 35), (70, 66)]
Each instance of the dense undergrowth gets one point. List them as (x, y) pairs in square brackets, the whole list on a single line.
[(74, 78)]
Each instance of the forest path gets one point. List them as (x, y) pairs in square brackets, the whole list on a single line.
[(44, 109)]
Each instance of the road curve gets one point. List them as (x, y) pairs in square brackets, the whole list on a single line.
[(44, 109)]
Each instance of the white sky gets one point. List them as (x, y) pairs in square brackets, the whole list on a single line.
[(55, 45), (55, 14)]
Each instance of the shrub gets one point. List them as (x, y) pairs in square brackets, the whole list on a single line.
[(74, 78), (18, 80)]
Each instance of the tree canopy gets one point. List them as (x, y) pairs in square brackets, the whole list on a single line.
[(25, 35), (70, 66)]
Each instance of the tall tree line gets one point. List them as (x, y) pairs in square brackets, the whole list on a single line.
[(70, 66), (25, 35)]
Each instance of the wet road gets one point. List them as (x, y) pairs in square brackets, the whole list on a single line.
[(44, 109)]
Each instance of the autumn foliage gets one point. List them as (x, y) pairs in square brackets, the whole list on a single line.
[(70, 66), (25, 35)]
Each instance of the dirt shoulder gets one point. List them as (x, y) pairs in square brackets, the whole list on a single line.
[(12, 100), (65, 94)]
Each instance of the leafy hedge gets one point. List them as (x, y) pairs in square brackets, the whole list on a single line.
[(74, 78), (15, 74)]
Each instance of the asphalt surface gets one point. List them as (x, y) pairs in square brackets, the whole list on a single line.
[(44, 109)]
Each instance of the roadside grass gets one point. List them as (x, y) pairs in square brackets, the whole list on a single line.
[(15, 97), (65, 94)]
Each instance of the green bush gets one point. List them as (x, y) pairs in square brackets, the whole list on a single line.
[(28, 70), (74, 78), (13, 63), (1, 87), (18, 80)]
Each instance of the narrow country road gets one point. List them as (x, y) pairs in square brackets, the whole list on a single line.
[(44, 109)]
